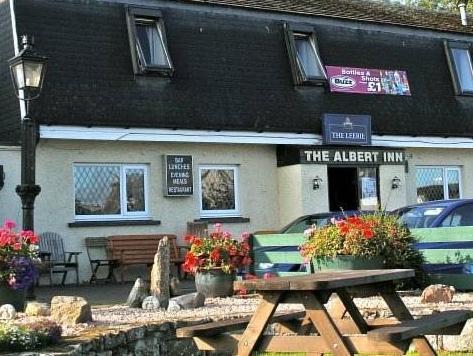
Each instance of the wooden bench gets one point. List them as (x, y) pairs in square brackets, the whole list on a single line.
[(140, 250), (450, 322)]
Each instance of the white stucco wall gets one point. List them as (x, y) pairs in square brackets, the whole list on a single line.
[(10, 202), (55, 205), (392, 198), (458, 157)]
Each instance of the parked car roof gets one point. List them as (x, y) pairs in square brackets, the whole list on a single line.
[(437, 213)]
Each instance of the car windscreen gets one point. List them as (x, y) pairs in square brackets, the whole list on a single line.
[(419, 217), (304, 224)]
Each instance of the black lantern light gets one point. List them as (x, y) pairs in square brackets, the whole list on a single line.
[(27, 71)]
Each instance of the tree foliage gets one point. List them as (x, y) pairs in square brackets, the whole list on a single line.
[(446, 5)]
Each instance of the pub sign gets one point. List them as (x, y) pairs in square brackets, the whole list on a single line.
[(343, 129), (179, 180)]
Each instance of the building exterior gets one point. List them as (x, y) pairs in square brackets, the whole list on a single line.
[(158, 113)]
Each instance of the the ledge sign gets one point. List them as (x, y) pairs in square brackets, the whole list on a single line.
[(341, 129), (179, 179)]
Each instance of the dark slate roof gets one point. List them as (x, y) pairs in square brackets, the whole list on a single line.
[(359, 10), (232, 72), (9, 105)]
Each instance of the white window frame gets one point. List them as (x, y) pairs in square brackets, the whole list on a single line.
[(221, 213), (300, 77), (457, 83), (146, 15), (135, 215), (445, 170)]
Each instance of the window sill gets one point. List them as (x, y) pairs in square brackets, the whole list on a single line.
[(114, 223), (227, 220)]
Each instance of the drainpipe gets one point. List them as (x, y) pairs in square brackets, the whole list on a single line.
[(462, 7)]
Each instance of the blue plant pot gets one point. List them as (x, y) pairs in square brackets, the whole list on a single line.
[(14, 297)]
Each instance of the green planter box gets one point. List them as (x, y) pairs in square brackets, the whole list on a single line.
[(348, 262)]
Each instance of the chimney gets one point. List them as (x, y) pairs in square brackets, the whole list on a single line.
[(462, 7)]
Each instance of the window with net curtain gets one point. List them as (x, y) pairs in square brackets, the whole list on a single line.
[(437, 183), (463, 68), (307, 56), (150, 43), (107, 191)]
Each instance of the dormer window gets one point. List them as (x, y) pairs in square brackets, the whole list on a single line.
[(306, 66), (459, 60), (148, 43)]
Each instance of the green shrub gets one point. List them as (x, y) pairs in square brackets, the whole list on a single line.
[(28, 337)]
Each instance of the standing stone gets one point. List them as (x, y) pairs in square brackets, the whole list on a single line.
[(437, 293), (70, 310), (138, 293), (7, 312), (159, 286)]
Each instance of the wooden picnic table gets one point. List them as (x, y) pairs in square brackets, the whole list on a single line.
[(324, 331)]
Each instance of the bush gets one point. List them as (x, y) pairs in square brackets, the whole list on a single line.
[(28, 337)]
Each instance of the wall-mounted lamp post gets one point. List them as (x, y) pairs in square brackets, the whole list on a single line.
[(316, 182), (27, 71), (395, 182)]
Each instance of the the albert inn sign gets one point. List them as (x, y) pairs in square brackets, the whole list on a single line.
[(357, 156)]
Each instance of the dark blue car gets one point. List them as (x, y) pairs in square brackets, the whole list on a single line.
[(438, 213), (319, 219)]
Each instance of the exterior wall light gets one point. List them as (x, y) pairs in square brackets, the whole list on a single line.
[(316, 182), (395, 182), (27, 70)]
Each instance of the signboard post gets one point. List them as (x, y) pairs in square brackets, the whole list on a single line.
[(179, 180)]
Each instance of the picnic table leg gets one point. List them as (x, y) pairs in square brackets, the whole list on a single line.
[(258, 322), (324, 324), (358, 320), (400, 311)]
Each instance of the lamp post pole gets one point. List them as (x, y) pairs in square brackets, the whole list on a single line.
[(28, 189), (27, 70)]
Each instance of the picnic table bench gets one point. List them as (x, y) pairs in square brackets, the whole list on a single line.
[(318, 330), (130, 250)]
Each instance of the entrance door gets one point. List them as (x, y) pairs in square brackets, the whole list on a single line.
[(353, 188), (343, 188)]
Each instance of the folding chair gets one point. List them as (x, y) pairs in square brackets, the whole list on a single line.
[(51, 250)]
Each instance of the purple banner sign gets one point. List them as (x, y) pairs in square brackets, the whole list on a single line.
[(367, 81)]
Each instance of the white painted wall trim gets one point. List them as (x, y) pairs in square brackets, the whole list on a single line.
[(268, 138), (167, 135)]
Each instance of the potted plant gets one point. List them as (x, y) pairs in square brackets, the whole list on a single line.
[(361, 242), (215, 259), (18, 250)]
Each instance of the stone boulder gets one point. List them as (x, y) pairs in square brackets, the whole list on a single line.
[(151, 303), (437, 293), (138, 293), (7, 312), (37, 309), (70, 310), (186, 301)]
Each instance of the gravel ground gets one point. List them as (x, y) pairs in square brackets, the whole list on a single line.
[(120, 316)]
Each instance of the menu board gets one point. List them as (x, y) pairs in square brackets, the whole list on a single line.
[(179, 180)]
